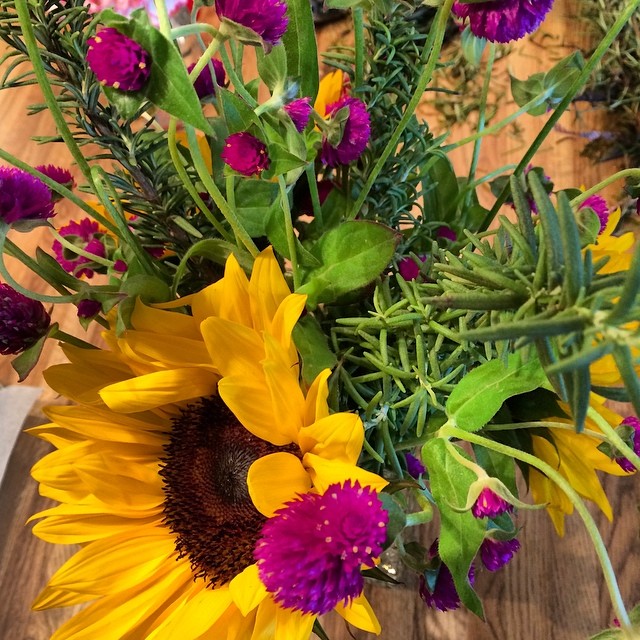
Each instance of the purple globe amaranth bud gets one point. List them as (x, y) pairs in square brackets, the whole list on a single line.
[(86, 235), (311, 551), (88, 308), (58, 174), (203, 84), (625, 464), (23, 197), (447, 233), (503, 20), (599, 205), (490, 505), (118, 61), (299, 111), (415, 468), (409, 269), (267, 18), (355, 137), (495, 554), (23, 321), (245, 154)]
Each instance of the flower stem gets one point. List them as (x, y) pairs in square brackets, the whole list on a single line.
[(288, 228), (358, 30), (625, 173), (105, 262), (435, 40), (572, 495), (63, 336)]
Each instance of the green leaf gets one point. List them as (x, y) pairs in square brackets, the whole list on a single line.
[(397, 517), (238, 115), (441, 189), (480, 394), (461, 534), (255, 200), (472, 46), (272, 67), (301, 48), (168, 87), (351, 255), (497, 465), (311, 342), (28, 359)]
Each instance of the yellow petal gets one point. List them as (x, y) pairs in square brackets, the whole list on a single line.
[(275, 623), (50, 598), (283, 323), (337, 437), (326, 472), (168, 323), (157, 389), (165, 349), (247, 590), (275, 479), (360, 614), (329, 91), (316, 400)]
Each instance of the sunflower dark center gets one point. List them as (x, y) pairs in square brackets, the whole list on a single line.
[(207, 503)]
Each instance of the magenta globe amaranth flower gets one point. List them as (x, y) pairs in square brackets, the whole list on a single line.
[(204, 84), (627, 465), (495, 554), (267, 18), (23, 197), (503, 20), (23, 321), (490, 505), (311, 551), (88, 308), (299, 111), (408, 267), (599, 206), (415, 468), (356, 133), (245, 154), (86, 235), (118, 61)]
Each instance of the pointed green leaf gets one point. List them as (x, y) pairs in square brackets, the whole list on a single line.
[(300, 44)]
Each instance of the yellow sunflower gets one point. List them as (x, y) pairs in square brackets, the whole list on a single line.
[(618, 249), (333, 86), (163, 486), (577, 457)]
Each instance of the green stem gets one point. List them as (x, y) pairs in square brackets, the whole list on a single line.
[(63, 336), (288, 228), (192, 30), (212, 188), (47, 91), (614, 438), (204, 59), (164, 22), (358, 30), (578, 503), (586, 72), (237, 83), (625, 173), (435, 40), (315, 196)]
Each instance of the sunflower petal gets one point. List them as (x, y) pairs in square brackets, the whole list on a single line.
[(316, 400), (337, 437), (360, 614), (275, 479), (247, 590), (325, 472)]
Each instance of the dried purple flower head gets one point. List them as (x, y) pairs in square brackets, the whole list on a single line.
[(268, 18), (408, 267), (415, 468), (23, 197), (58, 174), (495, 554), (490, 505), (627, 465), (311, 551), (23, 321), (503, 20), (245, 154), (599, 206), (438, 589), (299, 111), (86, 235), (447, 233), (88, 308), (118, 61), (203, 84), (356, 134)]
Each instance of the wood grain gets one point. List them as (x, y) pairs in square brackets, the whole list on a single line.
[(552, 590)]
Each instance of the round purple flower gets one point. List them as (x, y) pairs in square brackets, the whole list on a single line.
[(88, 308), (503, 20), (311, 551), (57, 174), (203, 84), (299, 111), (437, 589), (497, 553), (408, 267), (357, 131), (415, 468), (245, 154), (86, 235), (627, 465), (118, 61), (599, 206), (23, 321), (447, 233), (266, 17), (490, 505), (23, 197)]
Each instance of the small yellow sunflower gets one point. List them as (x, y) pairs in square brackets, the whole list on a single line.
[(332, 87), (618, 249), (167, 489), (577, 457)]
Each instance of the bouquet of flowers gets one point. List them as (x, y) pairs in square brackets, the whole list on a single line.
[(314, 335)]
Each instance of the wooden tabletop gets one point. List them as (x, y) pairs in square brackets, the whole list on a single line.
[(553, 589)]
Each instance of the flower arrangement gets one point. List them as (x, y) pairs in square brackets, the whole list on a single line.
[(315, 337)]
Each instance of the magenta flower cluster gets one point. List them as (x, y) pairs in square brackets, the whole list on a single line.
[(23, 197), (311, 551), (490, 505), (86, 235), (245, 154), (23, 321), (599, 205), (627, 465), (268, 18), (118, 61), (495, 554), (503, 20), (355, 137), (299, 111)]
